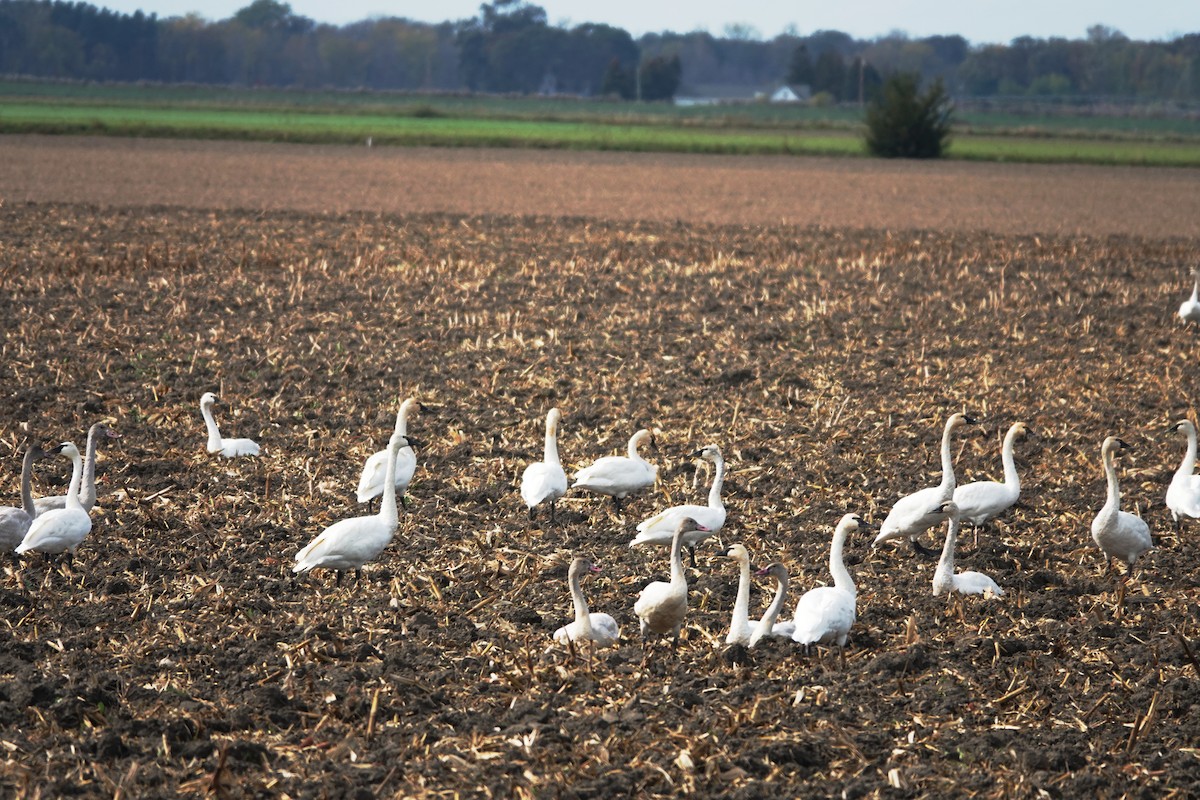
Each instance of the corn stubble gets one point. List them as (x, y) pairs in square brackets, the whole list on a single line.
[(175, 656)]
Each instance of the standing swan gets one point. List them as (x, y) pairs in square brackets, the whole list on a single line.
[(588, 627), (14, 522), (827, 613), (350, 543), (619, 476), (767, 625), (660, 528), (370, 483), (1118, 533), (1183, 495), (982, 501), (87, 489), (740, 626), (662, 606), (229, 448), (944, 578), (911, 516), (544, 481), (1189, 310), (61, 530)]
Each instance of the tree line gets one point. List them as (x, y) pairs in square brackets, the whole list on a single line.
[(511, 47)]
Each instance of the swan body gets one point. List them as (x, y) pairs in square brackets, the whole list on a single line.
[(1189, 310), (15, 522), (911, 516), (1118, 533), (1183, 495), (982, 501), (825, 615), (61, 530), (228, 448), (662, 605), (545, 481), (595, 627), (767, 626), (660, 528), (350, 543), (87, 489), (945, 579), (370, 483), (619, 476)]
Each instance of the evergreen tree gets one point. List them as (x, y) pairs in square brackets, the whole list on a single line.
[(904, 122)]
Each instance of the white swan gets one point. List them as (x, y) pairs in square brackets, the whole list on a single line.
[(350, 543), (826, 614), (944, 578), (660, 528), (87, 489), (14, 522), (595, 627), (370, 483), (982, 501), (740, 626), (1118, 533), (619, 476), (767, 626), (544, 481), (1189, 310), (229, 448), (910, 515), (1183, 495), (661, 606), (61, 530)]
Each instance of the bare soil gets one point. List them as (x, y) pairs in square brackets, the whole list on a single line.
[(176, 657)]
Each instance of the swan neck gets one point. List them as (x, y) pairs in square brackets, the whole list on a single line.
[(837, 567), (87, 490), (946, 562), (387, 506), (26, 489), (1188, 465), (1114, 490), (582, 616), (1011, 478), (768, 621), (677, 573), (551, 453), (76, 479), (402, 420), (947, 484), (714, 494), (741, 606), (214, 434), (632, 450)]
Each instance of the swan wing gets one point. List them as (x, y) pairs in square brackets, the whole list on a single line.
[(346, 544), (614, 475), (232, 448), (822, 615), (982, 500), (56, 531), (14, 524), (910, 515), (660, 528), (370, 482), (976, 583), (542, 482), (605, 630)]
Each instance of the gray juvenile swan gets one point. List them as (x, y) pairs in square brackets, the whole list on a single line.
[(14, 522)]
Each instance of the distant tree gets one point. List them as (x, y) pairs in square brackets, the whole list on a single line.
[(660, 77), (618, 81), (904, 122), (829, 74), (800, 68)]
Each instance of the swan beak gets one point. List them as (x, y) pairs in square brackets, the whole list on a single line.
[(413, 442), (970, 420), (1124, 445), (697, 453), (763, 571), (55, 450), (111, 434), (594, 569)]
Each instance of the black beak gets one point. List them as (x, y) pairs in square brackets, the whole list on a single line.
[(413, 442)]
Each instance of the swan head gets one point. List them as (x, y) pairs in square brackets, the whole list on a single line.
[(106, 432), (207, 400), (1111, 445), (946, 510), (737, 552), (1021, 429), (687, 525), (1184, 425), (709, 453), (645, 436), (851, 523), (67, 449), (34, 452), (399, 441), (775, 570), (581, 565), (552, 419), (959, 419)]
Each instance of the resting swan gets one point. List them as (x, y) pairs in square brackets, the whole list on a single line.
[(1118, 533), (619, 476), (825, 615), (228, 448), (599, 627), (350, 543), (910, 516), (14, 522), (767, 626), (1189, 310), (61, 530), (661, 606), (742, 629), (544, 481), (370, 483), (982, 501), (944, 578), (87, 489), (1183, 495), (660, 528)]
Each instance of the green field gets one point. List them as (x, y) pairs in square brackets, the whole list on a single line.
[(471, 121)]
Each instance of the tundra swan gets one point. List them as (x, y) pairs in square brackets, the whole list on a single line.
[(944, 578), (544, 481), (767, 626), (826, 614), (742, 629), (1118, 533), (14, 522), (229, 448), (350, 543), (1183, 495), (60, 530), (661, 606), (660, 528), (619, 476), (1189, 310), (910, 515), (87, 489), (370, 483), (594, 627), (982, 501)]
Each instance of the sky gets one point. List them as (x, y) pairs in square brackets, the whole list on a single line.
[(979, 21)]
